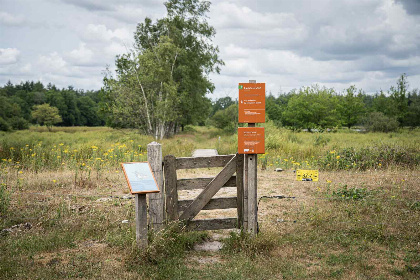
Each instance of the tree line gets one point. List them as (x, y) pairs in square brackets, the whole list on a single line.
[(309, 108), (318, 107), (27, 103)]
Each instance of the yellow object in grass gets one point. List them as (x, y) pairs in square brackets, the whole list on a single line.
[(307, 175)]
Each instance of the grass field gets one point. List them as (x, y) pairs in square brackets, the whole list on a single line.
[(63, 199)]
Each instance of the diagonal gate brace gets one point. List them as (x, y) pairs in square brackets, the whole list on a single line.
[(210, 190)]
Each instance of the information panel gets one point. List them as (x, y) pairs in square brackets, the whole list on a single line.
[(307, 175), (251, 140), (251, 103), (140, 177)]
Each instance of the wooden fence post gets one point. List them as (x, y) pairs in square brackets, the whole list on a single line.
[(240, 189), (171, 190), (251, 187), (141, 219), (156, 200)]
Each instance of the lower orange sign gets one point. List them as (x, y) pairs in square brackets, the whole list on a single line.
[(251, 140)]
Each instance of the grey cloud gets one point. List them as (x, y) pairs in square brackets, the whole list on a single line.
[(91, 5), (108, 5), (11, 20), (412, 7)]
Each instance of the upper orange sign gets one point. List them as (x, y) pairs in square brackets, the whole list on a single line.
[(251, 103)]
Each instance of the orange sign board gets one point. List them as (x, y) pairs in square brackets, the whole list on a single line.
[(251, 140), (251, 103)]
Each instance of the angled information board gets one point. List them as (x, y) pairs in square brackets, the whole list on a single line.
[(251, 140), (251, 103), (140, 177)]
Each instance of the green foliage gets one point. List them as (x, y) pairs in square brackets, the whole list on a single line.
[(4, 126), (321, 140), (19, 123), (222, 104), (162, 83), (351, 107), (4, 199), (312, 107), (380, 156), (249, 245), (352, 193), (378, 122), (165, 254), (226, 119), (46, 115), (76, 107)]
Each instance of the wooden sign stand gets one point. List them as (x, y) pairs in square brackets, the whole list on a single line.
[(250, 215), (141, 219), (141, 180)]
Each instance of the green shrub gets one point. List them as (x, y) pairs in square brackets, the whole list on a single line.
[(170, 243), (18, 123), (353, 193), (251, 246), (4, 126), (378, 122), (321, 140), (226, 119)]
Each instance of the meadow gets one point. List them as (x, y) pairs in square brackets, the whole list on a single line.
[(63, 198)]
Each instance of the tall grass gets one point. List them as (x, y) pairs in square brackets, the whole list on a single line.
[(93, 149)]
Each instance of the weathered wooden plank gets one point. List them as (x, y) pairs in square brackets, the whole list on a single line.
[(171, 188), (156, 200), (202, 162), (245, 200), (201, 183), (252, 193), (140, 206), (212, 188), (215, 203), (240, 188), (212, 224)]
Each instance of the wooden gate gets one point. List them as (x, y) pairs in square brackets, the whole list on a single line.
[(186, 210)]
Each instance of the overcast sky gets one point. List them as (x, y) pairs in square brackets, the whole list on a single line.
[(286, 44)]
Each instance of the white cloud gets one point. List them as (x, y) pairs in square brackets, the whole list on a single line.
[(26, 69), (9, 56), (53, 63), (99, 32), (81, 55), (12, 20), (114, 49)]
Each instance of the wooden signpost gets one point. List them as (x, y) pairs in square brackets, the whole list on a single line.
[(251, 142), (141, 181)]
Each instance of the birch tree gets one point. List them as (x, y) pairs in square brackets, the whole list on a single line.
[(162, 82)]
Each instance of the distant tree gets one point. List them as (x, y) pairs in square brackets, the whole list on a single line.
[(162, 84), (46, 115), (273, 109), (413, 114), (351, 107), (312, 107), (226, 119), (221, 104), (382, 103), (398, 96)]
